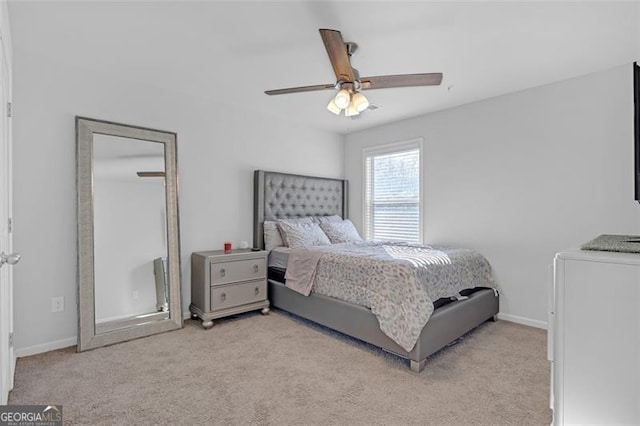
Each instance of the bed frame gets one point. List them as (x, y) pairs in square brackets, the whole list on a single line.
[(280, 196)]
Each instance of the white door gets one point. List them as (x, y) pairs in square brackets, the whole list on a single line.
[(7, 359)]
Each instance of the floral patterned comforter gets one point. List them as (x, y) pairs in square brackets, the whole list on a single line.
[(398, 281)]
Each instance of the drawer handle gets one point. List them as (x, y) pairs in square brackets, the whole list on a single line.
[(223, 296), (256, 268), (222, 272), (257, 291)]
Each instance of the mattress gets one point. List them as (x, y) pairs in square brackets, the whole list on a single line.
[(278, 257), (277, 274)]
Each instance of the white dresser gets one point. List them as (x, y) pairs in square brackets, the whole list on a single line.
[(594, 338)]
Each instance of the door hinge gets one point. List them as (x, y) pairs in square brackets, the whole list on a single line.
[(10, 340), (10, 226), (9, 109)]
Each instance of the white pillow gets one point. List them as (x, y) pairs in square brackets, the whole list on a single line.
[(302, 234), (272, 238), (324, 219), (341, 232)]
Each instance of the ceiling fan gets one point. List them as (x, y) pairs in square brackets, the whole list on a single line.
[(348, 81)]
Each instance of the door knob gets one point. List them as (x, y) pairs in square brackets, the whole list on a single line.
[(11, 259)]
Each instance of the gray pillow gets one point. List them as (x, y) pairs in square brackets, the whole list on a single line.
[(272, 237), (341, 232), (302, 234), (325, 219)]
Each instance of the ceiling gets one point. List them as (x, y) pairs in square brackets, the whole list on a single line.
[(232, 52)]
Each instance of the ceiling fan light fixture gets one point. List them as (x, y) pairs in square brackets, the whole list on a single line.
[(333, 107), (360, 102), (342, 99)]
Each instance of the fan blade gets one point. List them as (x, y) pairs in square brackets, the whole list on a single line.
[(337, 54), (300, 89), (401, 80), (150, 174)]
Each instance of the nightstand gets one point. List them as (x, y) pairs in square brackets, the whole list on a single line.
[(225, 284)]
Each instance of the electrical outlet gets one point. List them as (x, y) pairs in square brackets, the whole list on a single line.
[(136, 295), (57, 304)]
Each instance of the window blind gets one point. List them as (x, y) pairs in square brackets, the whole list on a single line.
[(392, 195)]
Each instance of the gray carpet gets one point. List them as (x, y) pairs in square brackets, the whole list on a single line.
[(280, 370)]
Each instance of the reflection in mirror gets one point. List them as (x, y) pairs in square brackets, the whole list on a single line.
[(128, 239), (129, 205)]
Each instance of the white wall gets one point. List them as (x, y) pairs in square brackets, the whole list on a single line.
[(218, 148), (521, 176)]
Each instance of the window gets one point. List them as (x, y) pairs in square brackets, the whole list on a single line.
[(392, 200)]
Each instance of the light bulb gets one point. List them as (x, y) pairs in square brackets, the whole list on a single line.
[(342, 99), (333, 107), (351, 110), (360, 102)]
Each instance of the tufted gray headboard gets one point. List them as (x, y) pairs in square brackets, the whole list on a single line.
[(281, 195)]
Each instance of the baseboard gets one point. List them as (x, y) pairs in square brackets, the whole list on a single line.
[(523, 321), (46, 347), (59, 344), (72, 341), (12, 372)]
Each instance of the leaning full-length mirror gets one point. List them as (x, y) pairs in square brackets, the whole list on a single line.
[(128, 241)]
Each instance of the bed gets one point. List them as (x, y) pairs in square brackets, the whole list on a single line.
[(283, 196)]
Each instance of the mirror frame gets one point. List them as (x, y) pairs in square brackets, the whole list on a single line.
[(86, 128)]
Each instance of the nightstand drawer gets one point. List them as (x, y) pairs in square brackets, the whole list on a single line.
[(239, 270), (238, 294)]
